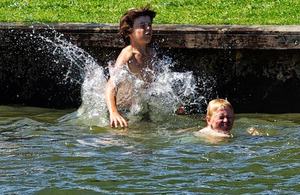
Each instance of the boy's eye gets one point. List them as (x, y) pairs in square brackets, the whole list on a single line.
[(144, 25), (222, 117)]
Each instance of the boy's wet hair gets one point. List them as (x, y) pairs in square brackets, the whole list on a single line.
[(127, 20), (217, 103)]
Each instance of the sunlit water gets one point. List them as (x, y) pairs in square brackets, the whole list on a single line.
[(39, 155)]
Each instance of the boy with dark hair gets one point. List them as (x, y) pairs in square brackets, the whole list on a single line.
[(136, 57)]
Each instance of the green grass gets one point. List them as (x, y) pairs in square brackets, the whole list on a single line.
[(247, 12)]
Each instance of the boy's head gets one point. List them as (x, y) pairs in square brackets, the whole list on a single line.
[(215, 104), (127, 21), (220, 115)]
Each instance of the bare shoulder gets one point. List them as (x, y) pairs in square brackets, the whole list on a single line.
[(124, 57), (207, 132), (202, 132)]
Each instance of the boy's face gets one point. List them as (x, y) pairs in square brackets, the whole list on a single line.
[(142, 32), (221, 120)]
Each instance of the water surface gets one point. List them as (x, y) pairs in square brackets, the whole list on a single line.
[(39, 155)]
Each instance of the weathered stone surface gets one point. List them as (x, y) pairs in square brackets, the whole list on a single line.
[(256, 67), (174, 36)]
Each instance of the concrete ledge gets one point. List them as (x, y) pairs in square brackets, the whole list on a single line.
[(174, 36)]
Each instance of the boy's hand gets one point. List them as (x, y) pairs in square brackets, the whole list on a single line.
[(116, 118), (253, 131)]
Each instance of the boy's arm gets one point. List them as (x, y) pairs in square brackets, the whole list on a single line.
[(110, 92), (110, 99), (187, 129)]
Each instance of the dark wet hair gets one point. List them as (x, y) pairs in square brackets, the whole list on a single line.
[(127, 20)]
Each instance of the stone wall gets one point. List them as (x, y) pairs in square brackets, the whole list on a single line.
[(256, 67)]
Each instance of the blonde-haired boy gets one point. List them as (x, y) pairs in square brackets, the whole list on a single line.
[(219, 118)]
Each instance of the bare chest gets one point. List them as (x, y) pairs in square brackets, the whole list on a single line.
[(142, 67)]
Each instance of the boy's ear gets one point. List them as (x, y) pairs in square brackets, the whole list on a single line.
[(207, 119)]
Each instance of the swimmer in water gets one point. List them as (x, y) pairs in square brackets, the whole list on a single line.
[(219, 118), (136, 30)]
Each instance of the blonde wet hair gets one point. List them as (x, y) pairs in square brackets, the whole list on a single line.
[(217, 103)]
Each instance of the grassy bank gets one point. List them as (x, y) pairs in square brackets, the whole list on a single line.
[(268, 12)]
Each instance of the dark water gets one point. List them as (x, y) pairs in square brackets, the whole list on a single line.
[(39, 155)]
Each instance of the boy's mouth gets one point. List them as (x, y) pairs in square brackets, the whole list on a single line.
[(226, 126)]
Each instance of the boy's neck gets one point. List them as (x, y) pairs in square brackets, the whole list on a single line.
[(140, 48), (219, 131)]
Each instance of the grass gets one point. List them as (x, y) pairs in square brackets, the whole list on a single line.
[(242, 12)]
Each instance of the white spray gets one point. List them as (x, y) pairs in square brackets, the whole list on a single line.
[(157, 102)]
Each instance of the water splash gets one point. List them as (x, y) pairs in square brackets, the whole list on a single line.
[(93, 110), (79, 60), (157, 102)]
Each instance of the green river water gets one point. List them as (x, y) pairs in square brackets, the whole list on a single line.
[(39, 155)]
